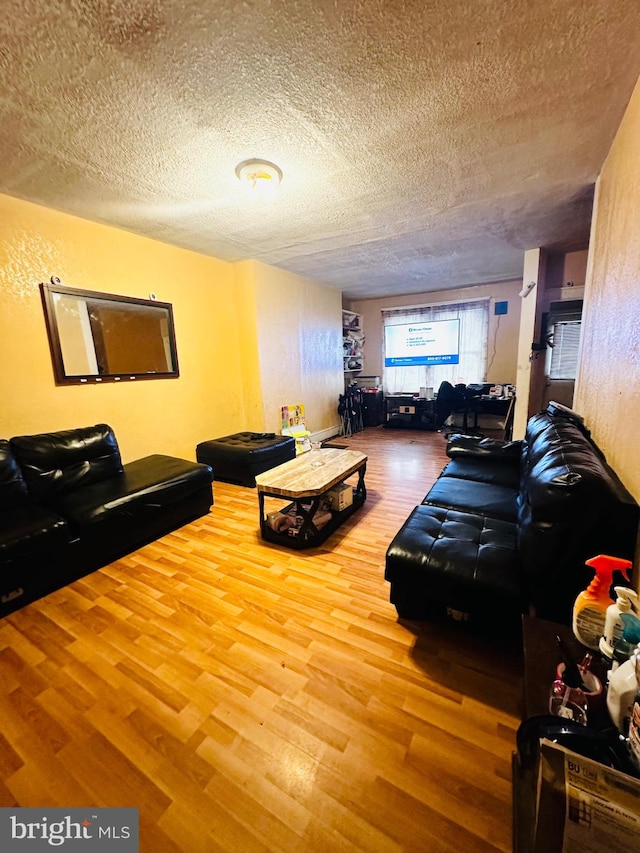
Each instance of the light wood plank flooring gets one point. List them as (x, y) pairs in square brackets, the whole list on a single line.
[(247, 697)]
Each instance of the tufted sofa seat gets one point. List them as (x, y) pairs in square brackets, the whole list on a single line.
[(508, 526), (469, 556), (68, 505)]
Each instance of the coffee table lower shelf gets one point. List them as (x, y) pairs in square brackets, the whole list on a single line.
[(310, 538)]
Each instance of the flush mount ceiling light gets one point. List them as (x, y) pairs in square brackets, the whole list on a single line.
[(259, 177)]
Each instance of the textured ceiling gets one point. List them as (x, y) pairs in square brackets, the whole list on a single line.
[(424, 144)]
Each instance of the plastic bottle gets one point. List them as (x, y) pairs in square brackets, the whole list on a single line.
[(626, 602), (624, 647), (621, 695), (630, 630), (634, 722), (590, 608)]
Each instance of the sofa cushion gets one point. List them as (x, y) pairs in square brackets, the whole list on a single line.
[(13, 489), (472, 446), (463, 559), (483, 471), (145, 487), (489, 499), (571, 507), (564, 471), (57, 463), (567, 484)]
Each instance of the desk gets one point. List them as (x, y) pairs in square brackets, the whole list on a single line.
[(485, 405), (405, 410)]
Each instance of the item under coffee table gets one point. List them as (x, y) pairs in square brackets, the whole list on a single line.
[(310, 487)]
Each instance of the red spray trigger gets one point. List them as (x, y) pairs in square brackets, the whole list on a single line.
[(605, 566)]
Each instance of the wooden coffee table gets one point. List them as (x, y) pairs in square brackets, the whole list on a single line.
[(305, 485)]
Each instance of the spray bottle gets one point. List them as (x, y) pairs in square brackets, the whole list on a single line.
[(590, 608), (626, 602)]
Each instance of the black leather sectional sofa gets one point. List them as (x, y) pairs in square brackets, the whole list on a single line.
[(507, 527), (68, 505)]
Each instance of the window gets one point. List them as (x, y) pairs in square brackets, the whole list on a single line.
[(565, 337), (563, 322), (474, 324)]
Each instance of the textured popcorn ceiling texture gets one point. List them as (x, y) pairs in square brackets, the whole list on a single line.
[(424, 144)]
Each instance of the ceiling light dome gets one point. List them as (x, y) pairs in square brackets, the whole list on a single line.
[(259, 177)]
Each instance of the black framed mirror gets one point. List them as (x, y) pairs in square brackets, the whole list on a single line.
[(101, 337)]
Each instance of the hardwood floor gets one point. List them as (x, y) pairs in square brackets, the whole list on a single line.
[(248, 697)]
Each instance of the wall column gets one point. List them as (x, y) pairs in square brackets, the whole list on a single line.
[(531, 278)]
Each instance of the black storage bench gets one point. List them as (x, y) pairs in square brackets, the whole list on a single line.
[(239, 457)]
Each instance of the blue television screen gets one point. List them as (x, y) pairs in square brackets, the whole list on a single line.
[(422, 343)]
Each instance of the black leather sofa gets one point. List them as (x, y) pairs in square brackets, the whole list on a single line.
[(68, 506), (507, 527)]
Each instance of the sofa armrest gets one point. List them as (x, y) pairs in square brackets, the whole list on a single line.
[(13, 489), (461, 446)]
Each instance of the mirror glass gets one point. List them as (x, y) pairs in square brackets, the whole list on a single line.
[(96, 337)]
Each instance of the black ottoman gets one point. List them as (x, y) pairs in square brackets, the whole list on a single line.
[(238, 458)]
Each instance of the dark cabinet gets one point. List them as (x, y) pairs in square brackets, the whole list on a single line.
[(410, 412), (372, 407)]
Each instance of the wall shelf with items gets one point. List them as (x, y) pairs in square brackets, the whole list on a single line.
[(352, 341)]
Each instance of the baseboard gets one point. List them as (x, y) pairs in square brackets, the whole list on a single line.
[(325, 434)]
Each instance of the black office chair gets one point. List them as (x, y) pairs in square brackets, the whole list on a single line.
[(450, 400), (456, 400), (472, 394)]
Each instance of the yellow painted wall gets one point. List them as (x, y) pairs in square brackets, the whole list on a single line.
[(251, 386), (609, 366), (503, 329), (300, 347), (154, 416)]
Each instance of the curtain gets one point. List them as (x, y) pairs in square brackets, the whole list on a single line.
[(474, 324)]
